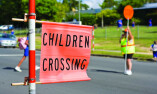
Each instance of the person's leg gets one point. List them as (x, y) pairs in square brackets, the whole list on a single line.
[(129, 67), (26, 53), (17, 68), (21, 61), (129, 64), (155, 56)]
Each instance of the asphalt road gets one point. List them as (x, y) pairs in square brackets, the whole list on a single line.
[(106, 74)]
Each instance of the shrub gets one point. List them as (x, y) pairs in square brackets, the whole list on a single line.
[(87, 19)]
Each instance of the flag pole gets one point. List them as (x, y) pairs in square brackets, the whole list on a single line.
[(31, 25)]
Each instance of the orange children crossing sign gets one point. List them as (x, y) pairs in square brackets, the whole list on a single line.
[(128, 12), (65, 52)]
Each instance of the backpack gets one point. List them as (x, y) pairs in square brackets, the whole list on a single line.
[(22, 44)]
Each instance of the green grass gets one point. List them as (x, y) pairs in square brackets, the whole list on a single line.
[(114, 32), (142, 45), (107, 38)]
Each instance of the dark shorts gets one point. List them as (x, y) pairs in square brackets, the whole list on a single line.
[(129, 56), (155, 54), (150, 24), (119, 25), (133, 25)]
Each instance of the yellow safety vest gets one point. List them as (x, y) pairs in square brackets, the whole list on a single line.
[(130, 49)]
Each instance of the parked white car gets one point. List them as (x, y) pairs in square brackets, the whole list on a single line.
[(6, 27), (8, 40)]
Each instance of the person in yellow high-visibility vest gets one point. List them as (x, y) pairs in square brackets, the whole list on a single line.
[(127, 49)]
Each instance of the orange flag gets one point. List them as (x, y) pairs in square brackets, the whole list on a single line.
[(65, 52)]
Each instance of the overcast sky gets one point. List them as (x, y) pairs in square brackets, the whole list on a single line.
[(91, 3)]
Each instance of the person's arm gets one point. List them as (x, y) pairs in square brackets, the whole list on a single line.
[(130, 34), (151, 47), (27, 43), (121, 38)]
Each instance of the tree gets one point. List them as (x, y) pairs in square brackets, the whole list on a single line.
[(110, 16), (88, 19), (48, 10), (73, 4), (45, 10), (149, 1), (108, 4), (136, 20), (84, 6), (9, 9)]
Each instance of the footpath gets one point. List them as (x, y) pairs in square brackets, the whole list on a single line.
[(120, 51), (142, 53)]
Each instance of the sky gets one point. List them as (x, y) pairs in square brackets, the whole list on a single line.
[(91, 3)]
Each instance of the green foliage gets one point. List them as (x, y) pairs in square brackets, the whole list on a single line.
[(70, 17), (108, 4), (9, 9), (53, 10), (85, 6), (87, 19), (50, 10), (136, 20), (133, 3), (110, 17), (74, 4), (45, 10)]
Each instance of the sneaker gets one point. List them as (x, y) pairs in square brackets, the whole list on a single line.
[(128, 72), (37, 67), (18, 69)]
